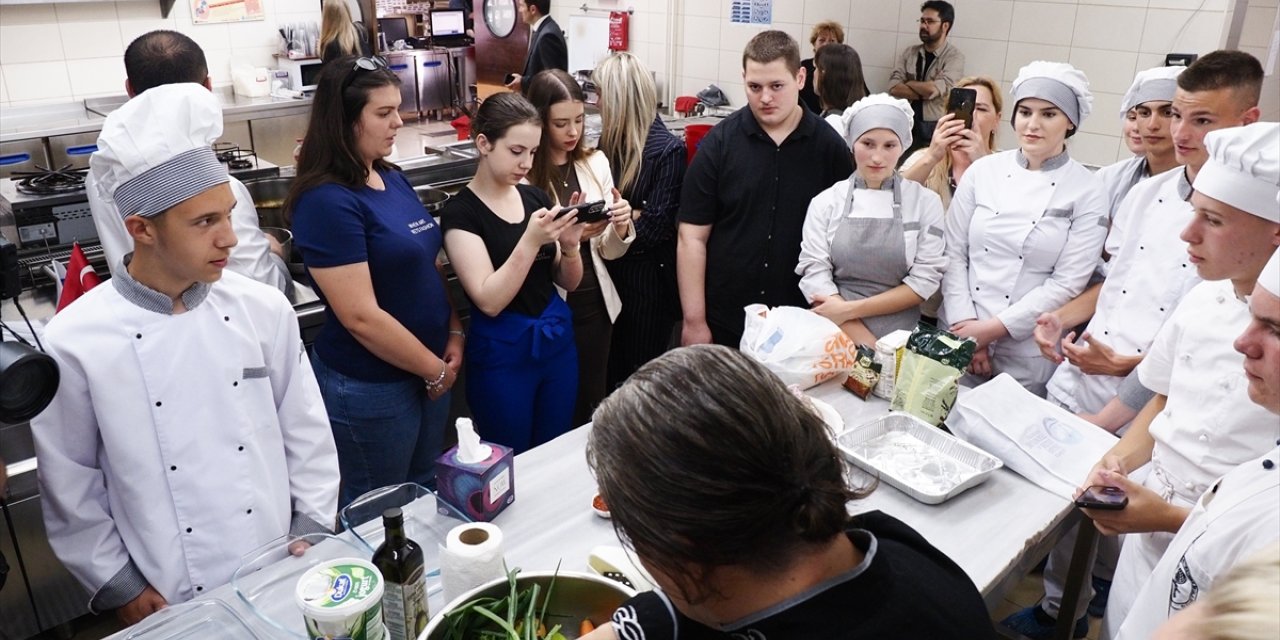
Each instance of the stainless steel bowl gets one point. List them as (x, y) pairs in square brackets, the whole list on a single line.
[(432, 198), (577, 596)]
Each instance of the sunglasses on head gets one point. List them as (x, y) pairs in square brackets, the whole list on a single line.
[(369, 63)]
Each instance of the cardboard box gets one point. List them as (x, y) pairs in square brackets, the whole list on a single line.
[(481, 490)]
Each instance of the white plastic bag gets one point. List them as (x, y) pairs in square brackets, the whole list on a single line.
[(800, 346), (1039, 440)]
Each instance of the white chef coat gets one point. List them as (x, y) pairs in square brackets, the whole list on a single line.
[(1020, 243), (1239, 516), (1148, 274), (922, 233), (178, 443), (1208, 426), (1118, 178), (251, 257)]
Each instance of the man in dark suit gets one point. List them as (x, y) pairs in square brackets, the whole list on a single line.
[(547, 48)]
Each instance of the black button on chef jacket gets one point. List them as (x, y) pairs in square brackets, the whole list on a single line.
[(755, 193)]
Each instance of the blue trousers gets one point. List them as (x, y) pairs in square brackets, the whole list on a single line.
[(522, 375), (386, 432)]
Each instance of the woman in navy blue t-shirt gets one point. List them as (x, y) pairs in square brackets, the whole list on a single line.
[(391, 344), (510, 249)]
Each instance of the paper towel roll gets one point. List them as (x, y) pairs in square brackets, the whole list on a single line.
[(470, 557)]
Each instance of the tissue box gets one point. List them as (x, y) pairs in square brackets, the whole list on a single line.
[(482, 489)]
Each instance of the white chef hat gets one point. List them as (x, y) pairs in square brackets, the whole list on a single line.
[(1158, 83), (154, 151), (877, 111), (1243, 169), (1269, 279), (1059, 83)]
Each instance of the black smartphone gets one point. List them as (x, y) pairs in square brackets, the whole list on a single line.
[(1103, 498), (961, 103), (511, 77), (587, 211)]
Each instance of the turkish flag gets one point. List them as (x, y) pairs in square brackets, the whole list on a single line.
[(80, 278)]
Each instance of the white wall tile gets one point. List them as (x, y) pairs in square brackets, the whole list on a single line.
[(1114, 28), (210, 37), (1022, 53), (29, 43), (138, 10), (735, 92), (131, 29), (253, 56), (252, 34), (789, 11), (983, 57), (874, 14), (734, 37), (816, 11), (86, 12), (701, 32), (877, 78), (96, 76), (1193, 5), (17, 14), (707, 8), (876, 48), (1115, 3), (1173, 31), (729, 67), (908, 17), (37, 81), (219, 65), (1043, 23), (1148, 60), (4, 93), (986, 19), (1105, 119), (90, 40), (701, 63), (1110, 71), (309, 6)]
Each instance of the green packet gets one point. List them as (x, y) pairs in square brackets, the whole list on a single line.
[(933, 362)]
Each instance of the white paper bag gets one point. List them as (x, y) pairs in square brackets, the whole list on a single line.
[(800, 346), (1041, 441)]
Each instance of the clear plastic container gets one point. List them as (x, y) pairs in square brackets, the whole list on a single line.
[(195, 620), (268, 577)]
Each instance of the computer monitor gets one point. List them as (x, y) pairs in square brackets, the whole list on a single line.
[(393, 29), (448, 23)]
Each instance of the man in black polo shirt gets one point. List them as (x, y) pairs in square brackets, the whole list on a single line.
[(746, 194)]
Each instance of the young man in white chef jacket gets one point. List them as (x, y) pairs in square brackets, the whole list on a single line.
[(1148, 99), (1148, 273), (154, 59), (188, 428), (1241, 513), (1201, 423)]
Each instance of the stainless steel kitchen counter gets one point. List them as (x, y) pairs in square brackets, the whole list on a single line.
[(22, 123)]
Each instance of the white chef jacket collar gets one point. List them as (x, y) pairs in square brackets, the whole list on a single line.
[(1048, 165), (150, 299), (1184, 185)]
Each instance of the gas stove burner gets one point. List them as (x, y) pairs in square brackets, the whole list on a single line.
[(225, 151), (241, 159), (47, 182)]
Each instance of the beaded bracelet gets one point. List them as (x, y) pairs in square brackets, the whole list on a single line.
[(432, 385)]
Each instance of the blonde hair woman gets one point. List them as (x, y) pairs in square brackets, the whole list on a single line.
[(824, 33), (648, 163), (940, 166), (339, 34)]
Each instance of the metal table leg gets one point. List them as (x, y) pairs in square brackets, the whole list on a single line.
[(1077, 572)]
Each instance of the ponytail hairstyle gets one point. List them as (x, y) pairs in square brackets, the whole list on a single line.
[(499, 112), (706, 460), (628, 105)]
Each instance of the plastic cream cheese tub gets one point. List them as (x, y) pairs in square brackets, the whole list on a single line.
[(341, 599)]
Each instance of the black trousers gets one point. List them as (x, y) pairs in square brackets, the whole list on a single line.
[(650, 309)]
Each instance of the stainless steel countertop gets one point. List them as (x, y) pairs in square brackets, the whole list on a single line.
[(22, 123)]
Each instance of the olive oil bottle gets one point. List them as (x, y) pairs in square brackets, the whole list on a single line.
[(404, 600)]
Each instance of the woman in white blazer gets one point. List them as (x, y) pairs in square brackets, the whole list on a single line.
[(563, 167), (1025, 229), (872, 249)]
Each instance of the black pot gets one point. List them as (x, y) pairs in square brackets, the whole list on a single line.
[(268, 197)]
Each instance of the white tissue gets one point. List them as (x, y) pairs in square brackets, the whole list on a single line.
[(470, 449), (470, 557)]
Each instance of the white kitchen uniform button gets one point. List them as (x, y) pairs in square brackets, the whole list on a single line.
[(1190, 486), (1204, 438)]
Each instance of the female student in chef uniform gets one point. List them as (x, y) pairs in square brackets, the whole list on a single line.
[(872, 249), (1025, 229)]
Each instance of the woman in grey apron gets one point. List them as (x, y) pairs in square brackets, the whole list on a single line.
[(873, 244)]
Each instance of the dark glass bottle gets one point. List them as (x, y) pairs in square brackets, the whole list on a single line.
[(404, 602)]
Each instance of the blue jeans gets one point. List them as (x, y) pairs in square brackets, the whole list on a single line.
[(386, 432)]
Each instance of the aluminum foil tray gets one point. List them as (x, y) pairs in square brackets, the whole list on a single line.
[(920, 460)]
